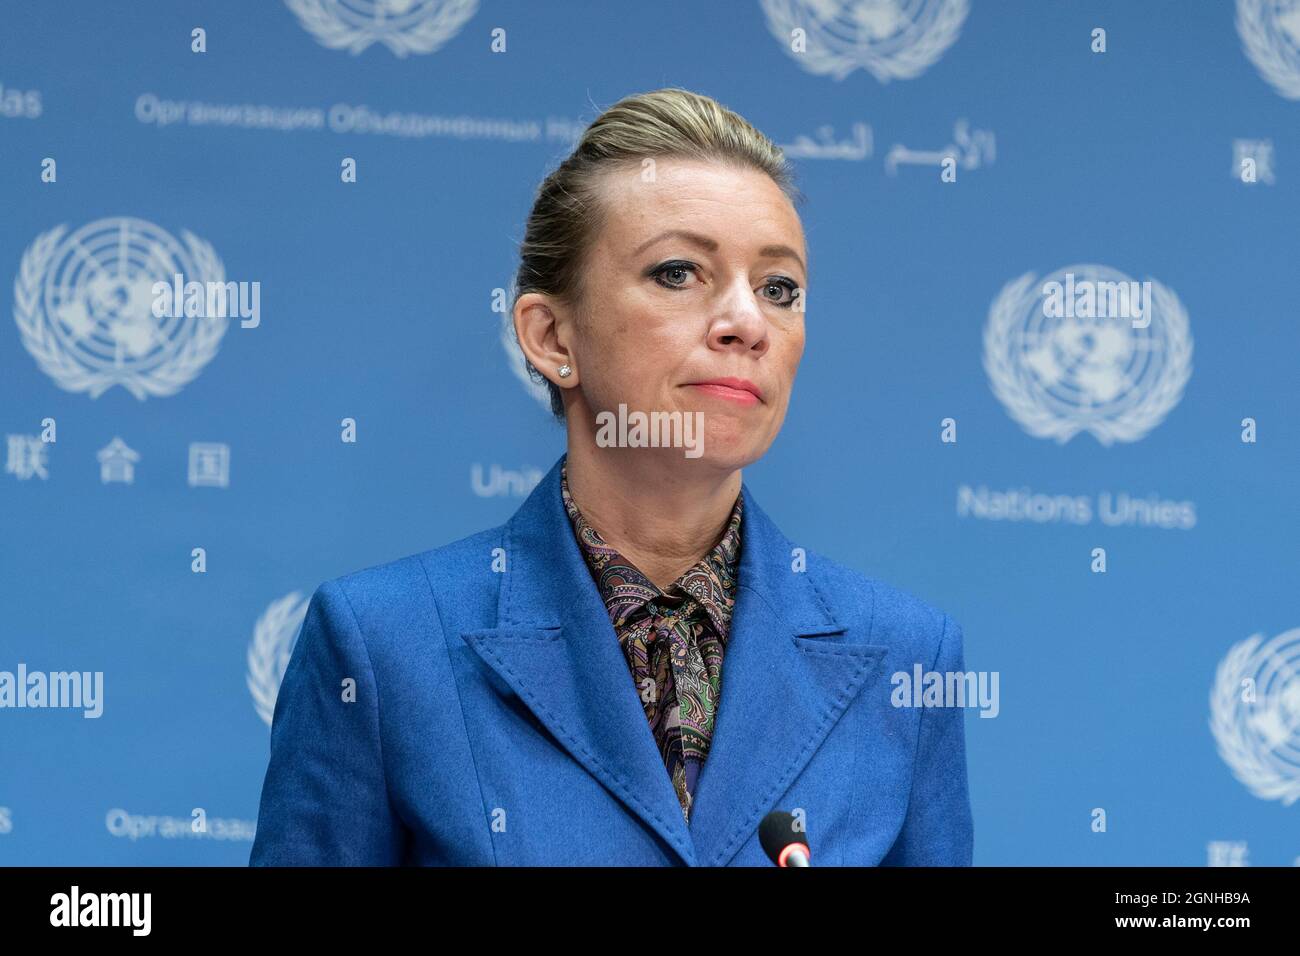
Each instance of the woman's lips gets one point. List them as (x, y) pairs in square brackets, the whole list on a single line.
[(737, 395)]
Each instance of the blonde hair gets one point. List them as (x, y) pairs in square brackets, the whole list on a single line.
[(567, 213)]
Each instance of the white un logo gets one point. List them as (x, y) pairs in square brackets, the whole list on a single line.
[(1255, 715), (1086, 348), (890, 39), (84, 307), (1270, 35), (274, 637), (404, 26)]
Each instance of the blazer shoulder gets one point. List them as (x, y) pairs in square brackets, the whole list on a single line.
[(453, 568), (897, 616)]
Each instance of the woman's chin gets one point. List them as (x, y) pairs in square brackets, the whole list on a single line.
[(727, 450)]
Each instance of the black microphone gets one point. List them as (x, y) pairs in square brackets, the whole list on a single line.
[(783, 844)]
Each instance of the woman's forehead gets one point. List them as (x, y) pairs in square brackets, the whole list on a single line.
[(703, 199), (669, 177)]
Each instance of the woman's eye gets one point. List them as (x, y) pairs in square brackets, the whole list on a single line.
[(778, 290), (673, 270), (781, 284)]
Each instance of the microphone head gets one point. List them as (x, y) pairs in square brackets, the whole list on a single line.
[(777, 833)]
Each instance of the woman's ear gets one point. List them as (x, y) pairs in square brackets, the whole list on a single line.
[(538, 328)]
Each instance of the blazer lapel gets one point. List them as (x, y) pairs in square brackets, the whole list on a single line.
[(785, 680), (555, 646)]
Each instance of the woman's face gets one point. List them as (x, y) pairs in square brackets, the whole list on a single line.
[(693, 278)]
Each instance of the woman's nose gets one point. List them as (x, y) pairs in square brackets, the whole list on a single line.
[(740, 318)]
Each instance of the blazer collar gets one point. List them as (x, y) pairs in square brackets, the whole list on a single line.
[(784, 682)]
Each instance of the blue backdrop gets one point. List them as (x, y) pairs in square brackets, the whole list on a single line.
[(1152, 709)]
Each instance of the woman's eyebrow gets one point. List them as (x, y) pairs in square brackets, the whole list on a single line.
[(711, 245), (704, 242)]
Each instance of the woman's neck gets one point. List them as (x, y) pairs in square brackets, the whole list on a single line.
[(662, 513)]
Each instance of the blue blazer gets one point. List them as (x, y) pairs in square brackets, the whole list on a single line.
[(495, 721)]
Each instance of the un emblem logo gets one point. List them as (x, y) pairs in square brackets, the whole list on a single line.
[(1270, 36), (1081, 351), (404, 26), (84, 307), (274, 637), (890, 39), (1255, 715)]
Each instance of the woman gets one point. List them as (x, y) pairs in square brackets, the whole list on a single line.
[(638, 667)]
